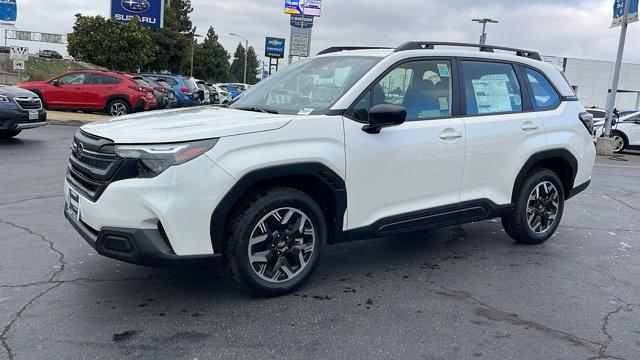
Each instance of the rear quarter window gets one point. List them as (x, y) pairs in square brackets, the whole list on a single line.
[(543, 95)]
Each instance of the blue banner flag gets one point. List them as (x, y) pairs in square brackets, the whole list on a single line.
[(618, 11), (8, 13)]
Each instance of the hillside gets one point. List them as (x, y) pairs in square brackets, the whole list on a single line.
[(43, 69)]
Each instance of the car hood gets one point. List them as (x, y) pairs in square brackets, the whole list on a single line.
[(184, 125), (14, 91)]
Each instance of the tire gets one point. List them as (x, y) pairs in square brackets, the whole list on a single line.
[(621, 141), (8, 134), (118, 107), (523, 228), (276, 267)]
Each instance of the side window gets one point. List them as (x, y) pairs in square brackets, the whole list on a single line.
[(491, 88), (545, 97), (73, 79), (424, 88), (99, 79)]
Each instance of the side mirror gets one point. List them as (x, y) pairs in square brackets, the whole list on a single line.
[(384, 115), (55, 82)]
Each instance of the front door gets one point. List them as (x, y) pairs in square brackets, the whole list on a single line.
[(399, 176), (66, 91)]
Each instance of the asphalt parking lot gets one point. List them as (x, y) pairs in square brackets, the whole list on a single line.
[(464, 292)]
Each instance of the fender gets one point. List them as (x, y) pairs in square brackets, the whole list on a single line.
[(333, 182), (541, 156)]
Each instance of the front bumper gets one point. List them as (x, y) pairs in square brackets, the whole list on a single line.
[(147, 247), (15, 119), (180, 201)]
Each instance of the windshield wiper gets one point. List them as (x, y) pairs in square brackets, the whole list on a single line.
[(258, 109)]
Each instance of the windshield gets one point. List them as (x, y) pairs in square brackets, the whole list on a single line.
[(307, 87)]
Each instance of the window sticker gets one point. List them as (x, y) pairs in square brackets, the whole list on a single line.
[(443, 69), (305, 112), (444, 103), (492, 95)]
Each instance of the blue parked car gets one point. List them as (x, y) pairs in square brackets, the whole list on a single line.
[(186, 94), (234, 89)]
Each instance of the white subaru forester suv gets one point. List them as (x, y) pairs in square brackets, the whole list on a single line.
[(350, 144)]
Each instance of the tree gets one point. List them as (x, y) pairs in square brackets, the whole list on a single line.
[(253, 65), (182, 10), (211, 60), (107, 43), (173, 44)]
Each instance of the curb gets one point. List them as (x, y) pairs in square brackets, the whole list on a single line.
[(68, 122)]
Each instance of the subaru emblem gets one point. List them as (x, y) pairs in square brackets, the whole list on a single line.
[(135, 6)]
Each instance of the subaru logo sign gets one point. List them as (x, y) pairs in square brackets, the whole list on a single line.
[(150, 13), (135, 6)]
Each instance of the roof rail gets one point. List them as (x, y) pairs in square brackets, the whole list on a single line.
[(430, 45), (335, 49)]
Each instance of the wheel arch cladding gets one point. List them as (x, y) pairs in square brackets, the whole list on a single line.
[(560, 161), (324, 185), (113, 97)]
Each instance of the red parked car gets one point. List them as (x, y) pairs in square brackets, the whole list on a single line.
[(116, 93)]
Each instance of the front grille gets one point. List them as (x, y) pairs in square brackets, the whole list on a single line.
[(93, 164), (29, 103)]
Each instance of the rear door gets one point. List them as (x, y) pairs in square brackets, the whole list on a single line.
[(98, 88), (502, 130), (67, 91), (407, 177)]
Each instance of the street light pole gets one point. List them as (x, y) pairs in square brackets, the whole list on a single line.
[(193, 50), (246, 54), (483, 37)]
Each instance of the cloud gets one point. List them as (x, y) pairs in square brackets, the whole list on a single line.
[(570, 28)]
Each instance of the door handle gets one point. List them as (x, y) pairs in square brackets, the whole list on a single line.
[(530, 125), (450, 134)]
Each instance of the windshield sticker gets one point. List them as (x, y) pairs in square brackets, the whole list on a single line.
[(305, 112), (443, 69)]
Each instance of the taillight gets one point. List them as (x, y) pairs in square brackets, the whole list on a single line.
[(587, 120), (137, 88), (187, 91)]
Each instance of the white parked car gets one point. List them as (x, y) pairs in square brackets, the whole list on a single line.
[(626, 131), (347, 145)]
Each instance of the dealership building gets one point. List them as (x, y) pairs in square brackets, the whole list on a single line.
[(591, 80)]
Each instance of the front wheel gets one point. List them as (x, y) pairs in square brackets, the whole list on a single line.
[(538, 208), (8, 134), (119, 108), (620, 142), (275, 241)]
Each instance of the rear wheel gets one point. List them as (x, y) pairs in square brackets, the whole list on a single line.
[(119, 108), (538, 208), (620, 141), (8, 134), (275, 241)]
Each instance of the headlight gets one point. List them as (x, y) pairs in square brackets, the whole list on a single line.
[(4, 99), (153, 159)]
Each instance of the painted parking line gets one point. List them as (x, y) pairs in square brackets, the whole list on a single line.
[(619, 166)]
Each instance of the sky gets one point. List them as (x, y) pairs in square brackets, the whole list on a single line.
[(566, 28)]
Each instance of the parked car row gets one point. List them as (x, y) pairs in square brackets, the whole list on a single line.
[(120, 94)]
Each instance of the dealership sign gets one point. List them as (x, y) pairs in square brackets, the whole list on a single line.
[(299, 20), (618, 12), (149, 12), (8, 13), (303, 7), (274, 48)]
